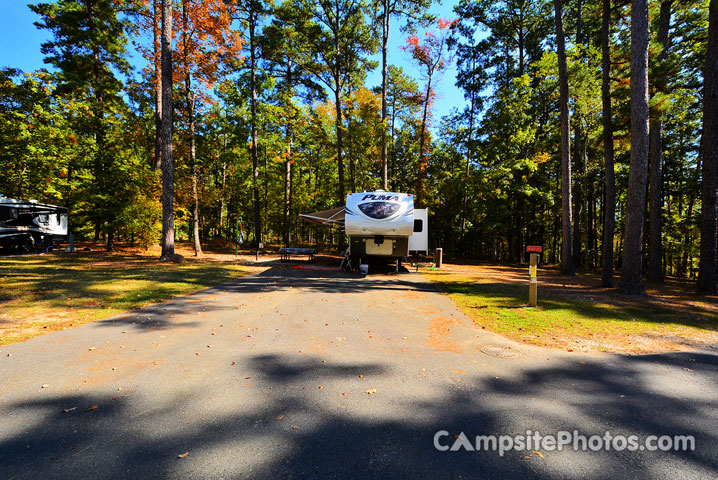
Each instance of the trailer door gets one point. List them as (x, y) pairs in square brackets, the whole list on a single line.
[(419, 241)]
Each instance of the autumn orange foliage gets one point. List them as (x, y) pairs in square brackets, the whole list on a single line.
[(430, 54), (210, 43)]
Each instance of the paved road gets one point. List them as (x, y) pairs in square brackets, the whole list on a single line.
[(267, 377)]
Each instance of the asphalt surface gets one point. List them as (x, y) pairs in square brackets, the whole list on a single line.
[(267, 377)]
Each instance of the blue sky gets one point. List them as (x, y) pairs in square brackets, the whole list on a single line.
[(20, 44)]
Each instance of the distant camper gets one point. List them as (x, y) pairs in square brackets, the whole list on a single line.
[(385, 224), (26, 225)]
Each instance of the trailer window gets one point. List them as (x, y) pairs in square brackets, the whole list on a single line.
[(379, 210), (418, 225)]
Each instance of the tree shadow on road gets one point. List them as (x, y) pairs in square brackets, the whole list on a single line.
[(386, 435)]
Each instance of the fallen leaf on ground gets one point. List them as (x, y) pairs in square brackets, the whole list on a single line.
[(371, 391), (92, 348), (94, 407), (361, 375), (294, 427), (539, 454), (280, 417), (183, 455)]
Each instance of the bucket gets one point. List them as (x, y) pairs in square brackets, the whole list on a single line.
[(363, 268)]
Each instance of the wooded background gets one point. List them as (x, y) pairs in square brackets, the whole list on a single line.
[(271, 115)]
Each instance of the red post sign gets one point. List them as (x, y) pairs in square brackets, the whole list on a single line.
[(534, 249)]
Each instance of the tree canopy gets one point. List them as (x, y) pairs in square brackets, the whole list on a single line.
[(273, 116)]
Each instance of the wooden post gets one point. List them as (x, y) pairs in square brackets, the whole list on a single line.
[(438, 258), (533, 280)]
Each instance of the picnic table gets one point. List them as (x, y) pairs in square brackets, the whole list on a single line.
[(287, 252)]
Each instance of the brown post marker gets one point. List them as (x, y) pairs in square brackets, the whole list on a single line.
[(533, 274), (438, 258)]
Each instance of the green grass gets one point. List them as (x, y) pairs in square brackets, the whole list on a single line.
[(604, 320), (41, 293)]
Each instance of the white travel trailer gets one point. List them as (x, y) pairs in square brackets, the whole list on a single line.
[(29, 225), (384, 224), (379, 224)]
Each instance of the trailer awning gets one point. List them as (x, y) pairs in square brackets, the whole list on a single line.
[(335, 215)]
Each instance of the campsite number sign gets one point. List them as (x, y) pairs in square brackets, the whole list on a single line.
[(535, 251)]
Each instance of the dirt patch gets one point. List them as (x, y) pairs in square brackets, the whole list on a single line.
[(412, 295), (440, 335)]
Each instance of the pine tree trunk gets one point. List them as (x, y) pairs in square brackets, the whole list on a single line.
[(168, 229), (189, 99), (577, 193), (193, 174), (384, 76), (687, 239), (340, 147), (422, 143), (655, 232), (609, 204), (469, 156), (224, 186), (567, 266), (579, 173), (255, 159), (350, 154), (157, 34), (590, 224), (708, 268), (393, 142), (632, 265), (288, 190)]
